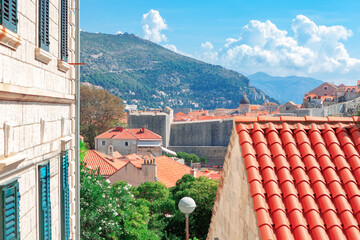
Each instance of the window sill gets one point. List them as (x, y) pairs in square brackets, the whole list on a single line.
[(42, 55), (11, 163), (65, 143), (9, 38), (63, 66)]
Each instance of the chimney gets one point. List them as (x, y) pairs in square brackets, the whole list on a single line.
[(193, 172), (149, 170), (358, 83), (142, 129), (119, 129)]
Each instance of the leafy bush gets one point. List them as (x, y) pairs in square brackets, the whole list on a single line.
[(111, 211)]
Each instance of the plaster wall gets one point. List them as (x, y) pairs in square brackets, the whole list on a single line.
[(133, 175)]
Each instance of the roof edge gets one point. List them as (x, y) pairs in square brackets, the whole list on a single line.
[(296, 119)]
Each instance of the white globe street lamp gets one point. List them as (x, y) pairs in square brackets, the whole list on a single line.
[(187, 205)]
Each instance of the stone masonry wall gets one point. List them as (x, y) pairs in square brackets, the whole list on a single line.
[(37, 105), (201, 133), (214, 154), (233, 212), (159, 123)]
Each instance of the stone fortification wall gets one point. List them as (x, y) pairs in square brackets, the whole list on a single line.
[(336, 109), (157, 122), (201, 133), (332, 110), (214, 154)]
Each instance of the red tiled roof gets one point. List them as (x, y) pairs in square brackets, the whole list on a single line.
[(96, 160), (304, 175), (138, 134), (179, 114), (169, 171)]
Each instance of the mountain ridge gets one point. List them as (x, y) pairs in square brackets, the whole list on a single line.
[(278, 87), (149, 75)]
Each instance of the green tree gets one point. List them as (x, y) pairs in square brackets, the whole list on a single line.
[(111, 211), (159, 200), (99, 110), (203, 159), (203, 191)]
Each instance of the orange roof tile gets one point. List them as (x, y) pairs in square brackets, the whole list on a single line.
[(179, 114), (169, 171), (304, 175), (121, 133), (96, 160)]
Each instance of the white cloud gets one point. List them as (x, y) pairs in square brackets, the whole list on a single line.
[(309, 49), (153, 25), (119, 32), (207, 46)]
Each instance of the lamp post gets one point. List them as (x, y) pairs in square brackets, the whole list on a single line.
[(187, 206)]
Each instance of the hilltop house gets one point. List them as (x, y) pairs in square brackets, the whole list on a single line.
[(37, 130), (327, 94), (290, 178), (127, 141)]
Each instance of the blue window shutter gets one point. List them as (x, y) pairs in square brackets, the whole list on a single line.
[(8, 14), (65, 203), (44, 201), (10, 211), (64, 30), (44, 41)]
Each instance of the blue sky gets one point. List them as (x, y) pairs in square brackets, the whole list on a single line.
[(309, 38)]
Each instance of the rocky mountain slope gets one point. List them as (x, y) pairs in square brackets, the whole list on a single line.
[(284, 89), (148, 75)]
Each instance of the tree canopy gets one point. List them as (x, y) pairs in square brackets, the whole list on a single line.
[(99, 110)]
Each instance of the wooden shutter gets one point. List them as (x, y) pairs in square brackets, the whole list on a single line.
[(64, 30), (10, 211), (44, 201), (44, 41), (9, 14), (65, 203)]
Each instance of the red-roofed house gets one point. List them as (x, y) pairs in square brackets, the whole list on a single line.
[(139, 169), (127, 141), (100, 162), (290, 178)]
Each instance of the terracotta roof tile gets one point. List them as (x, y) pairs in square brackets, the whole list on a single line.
[(137, 134), (99, 161), (304, 175)]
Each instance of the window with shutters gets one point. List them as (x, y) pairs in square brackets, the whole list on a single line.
[(44, 41), (9, 14), (64, 30), (65, 203), (9, 217), (44, 202)]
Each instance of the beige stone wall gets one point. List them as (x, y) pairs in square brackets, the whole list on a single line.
[(130, 174), (37, 106), (118, 145), (156, 151), (135, 176), (233, 213)]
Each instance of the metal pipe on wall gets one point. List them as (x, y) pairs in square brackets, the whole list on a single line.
[(77, 119)]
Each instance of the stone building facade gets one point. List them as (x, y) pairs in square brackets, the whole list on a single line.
[(37, 120), (128, 141)]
